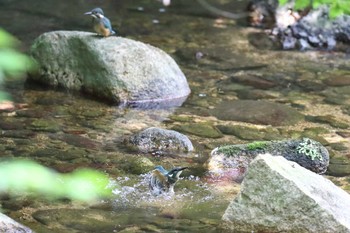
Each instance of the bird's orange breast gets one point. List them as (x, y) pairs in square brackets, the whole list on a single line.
[(100, 29)]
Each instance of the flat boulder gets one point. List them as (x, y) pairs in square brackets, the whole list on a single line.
[(257, 112), (278, 195), (115, 69)]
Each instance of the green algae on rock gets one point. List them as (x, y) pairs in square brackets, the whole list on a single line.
[(205, 130)]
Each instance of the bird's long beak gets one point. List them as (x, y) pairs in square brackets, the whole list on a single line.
[(178, 169), (88, 13)]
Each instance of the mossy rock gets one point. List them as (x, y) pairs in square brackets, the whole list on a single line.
[(233, 160), (331, 120), (204, 130), (136, 165), (242, 132), (45, 125)]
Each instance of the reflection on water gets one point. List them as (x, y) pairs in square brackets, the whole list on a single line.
[(65, 130)]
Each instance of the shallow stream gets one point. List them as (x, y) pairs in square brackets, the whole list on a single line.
[(222, 59)]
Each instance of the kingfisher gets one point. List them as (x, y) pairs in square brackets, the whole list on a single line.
[(101, 24), (163, 181)]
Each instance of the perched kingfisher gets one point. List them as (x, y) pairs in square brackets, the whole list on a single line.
[(100, 23), (163, 181)]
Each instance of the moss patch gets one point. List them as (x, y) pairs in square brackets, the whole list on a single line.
[(258, 145)]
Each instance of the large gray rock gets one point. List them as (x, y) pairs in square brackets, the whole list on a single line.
[(8, 225), (280, 196), (157, 140), (117, 69)]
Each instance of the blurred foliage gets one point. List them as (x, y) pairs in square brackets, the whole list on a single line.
[(12, 62), (337, 7), (27, 177)]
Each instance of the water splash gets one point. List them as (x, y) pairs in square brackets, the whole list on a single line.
[(139, 195)]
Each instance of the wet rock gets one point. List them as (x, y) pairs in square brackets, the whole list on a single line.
[(255, 81), (17, 134), (10, 124), (76, 140), (8, 225), (204, 130), (338, 78), (114, 68), (249, 133), (337, 95), (161, 140), (311, 85), (231, 162), (331, 120), (315, 30), (338, 146), (136, 165), (339, 165), (346, 110), (256, 94), (274, 193), (344, 134), (66, 155), (84, 220), (257, 112), (31, 113), (87, 112), (45, 125)]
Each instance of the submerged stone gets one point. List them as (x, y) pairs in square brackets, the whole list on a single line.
[(339, 165), (160, 140), (231, 162), (280, 196), (45, 125), (250, 133), (135, 165), (204, 130), (116, 69), (257, 112), (331, 120)]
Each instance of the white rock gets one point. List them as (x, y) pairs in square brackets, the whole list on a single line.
[(280, 196)]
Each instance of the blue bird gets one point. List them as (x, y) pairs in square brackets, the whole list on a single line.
[(163, 181), (101, 24)]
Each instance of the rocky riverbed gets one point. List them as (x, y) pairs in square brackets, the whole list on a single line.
[(308, 94)]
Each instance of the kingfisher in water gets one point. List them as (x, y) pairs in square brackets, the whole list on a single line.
[(163, 181), (101, 24)]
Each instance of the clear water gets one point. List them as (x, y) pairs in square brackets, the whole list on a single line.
[(88, 133)]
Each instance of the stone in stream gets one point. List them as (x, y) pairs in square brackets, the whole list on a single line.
[(257, 112), (160, 140), (231, 162), (116, 69), (8, 225), (278, 195)]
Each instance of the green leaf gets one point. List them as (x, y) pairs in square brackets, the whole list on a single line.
[(282, 2), (302, 4), (6, 39), (24, 176), (86, 184), (335, 11)]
